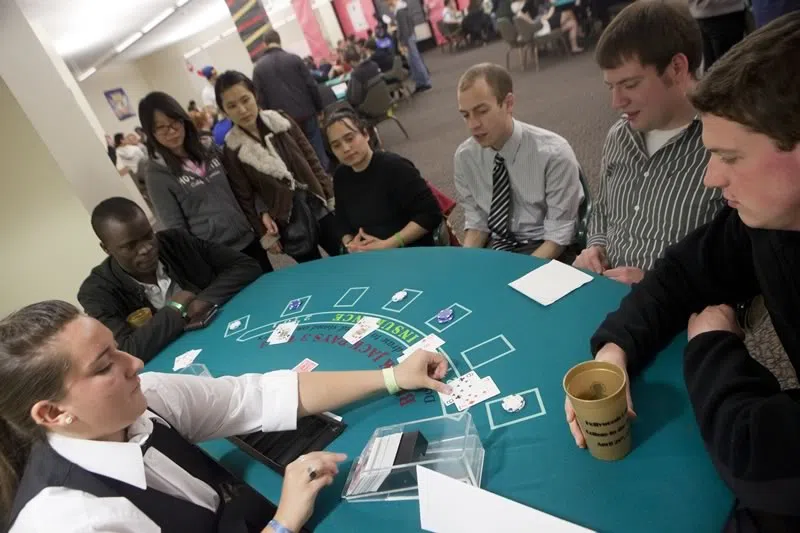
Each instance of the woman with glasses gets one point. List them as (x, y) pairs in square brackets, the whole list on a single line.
[(187, 183)]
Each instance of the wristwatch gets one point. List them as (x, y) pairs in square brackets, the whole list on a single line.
[(277, 527), (178, 307)]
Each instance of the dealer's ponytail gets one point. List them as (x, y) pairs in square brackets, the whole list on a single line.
[(32, 368)]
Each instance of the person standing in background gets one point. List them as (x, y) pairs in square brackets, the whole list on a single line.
[(209, 99), (284, 83), (722, 23), (407, 42)]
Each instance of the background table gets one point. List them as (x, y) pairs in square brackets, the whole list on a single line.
[(667, 483)]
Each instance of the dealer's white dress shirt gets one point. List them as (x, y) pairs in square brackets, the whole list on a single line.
[(197, 407)]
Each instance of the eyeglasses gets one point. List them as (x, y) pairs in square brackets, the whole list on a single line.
[(175, 125)]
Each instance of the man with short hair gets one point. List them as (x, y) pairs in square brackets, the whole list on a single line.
[(365, 71), (519, 184), (651, 182), (407, 41), (751, 427), (171, 275), (209, 96), (381, 56), (284, 83)]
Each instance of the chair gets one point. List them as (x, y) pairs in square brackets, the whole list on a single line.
[(378, 106), (454, 37), (508, 32), (526, 30), (398, 75), (584, 213)]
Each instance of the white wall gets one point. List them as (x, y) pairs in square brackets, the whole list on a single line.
[(47, 242), (124, 75)]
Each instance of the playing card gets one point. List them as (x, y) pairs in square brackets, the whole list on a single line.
[(185, 359), (460, 386), (306, 365), (362, 328), (429, 343), (478, 392), (282, 333)]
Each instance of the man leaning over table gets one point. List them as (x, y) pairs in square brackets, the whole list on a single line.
[(519, 184), (750, 427), (651, 182), (174, 275)]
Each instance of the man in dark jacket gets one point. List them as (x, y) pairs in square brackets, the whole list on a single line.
[(365, 71), (172, 276), (381, 56), (284, 83), (751, 428)]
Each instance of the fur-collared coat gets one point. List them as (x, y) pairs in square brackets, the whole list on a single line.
[(265, 175)]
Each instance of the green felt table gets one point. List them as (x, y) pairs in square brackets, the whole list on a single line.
[(666, 483)]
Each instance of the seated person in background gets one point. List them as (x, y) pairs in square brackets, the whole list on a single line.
[(129, 153), (381, 56), (451, 16), (519, 185), (364, 71), (651, 180), (552, 18), (175, 276), (89, 443), (477, 25), (751, 428), (381, 200)]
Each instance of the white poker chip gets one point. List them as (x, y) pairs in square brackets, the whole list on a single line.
[(513, 403), (399, 296), (235, 324)]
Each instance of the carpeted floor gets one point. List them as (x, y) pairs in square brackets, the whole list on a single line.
[(566, 96)]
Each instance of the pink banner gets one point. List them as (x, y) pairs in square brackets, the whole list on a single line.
[(435, 9), (356, 16), (311, 30)]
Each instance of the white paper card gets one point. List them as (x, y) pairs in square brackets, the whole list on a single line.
[(185, 359), (478, 509), (550, 282)]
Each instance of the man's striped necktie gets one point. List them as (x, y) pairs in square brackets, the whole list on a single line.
[(500, 210)]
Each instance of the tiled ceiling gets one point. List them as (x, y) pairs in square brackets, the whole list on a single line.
[(85, 31)]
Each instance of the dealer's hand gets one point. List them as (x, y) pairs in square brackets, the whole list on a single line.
[(626, 275), (422, 370), (714, 318), (611, 353), (299, 489)]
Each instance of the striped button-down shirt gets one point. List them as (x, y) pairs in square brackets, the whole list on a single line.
[(546, 191), (647, 203)]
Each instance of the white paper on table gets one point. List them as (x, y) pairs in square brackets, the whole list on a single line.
[(478, 509), (550, 282), (185, 359)]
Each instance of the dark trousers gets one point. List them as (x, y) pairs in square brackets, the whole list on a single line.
[(330, 239), (255, 251), (310, 127), (720, 34)]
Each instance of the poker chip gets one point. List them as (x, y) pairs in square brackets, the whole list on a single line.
[(445, 315), (294, 305), (399, 296), (235, 324), (513, 403)]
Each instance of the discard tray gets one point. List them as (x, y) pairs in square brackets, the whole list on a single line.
[(278, 449)]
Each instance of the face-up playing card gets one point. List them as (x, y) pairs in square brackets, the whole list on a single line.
[(282, 333), (460, 386), (185, 359), (481, 391), (306, 365), (429, 343), (363, 327)]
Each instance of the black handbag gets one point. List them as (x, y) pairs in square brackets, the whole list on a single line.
[(300, 235)]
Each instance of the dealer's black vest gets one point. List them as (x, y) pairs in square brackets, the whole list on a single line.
[(241, 509)]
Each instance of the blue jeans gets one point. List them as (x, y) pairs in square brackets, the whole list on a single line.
[(311, 128), (419, 72)]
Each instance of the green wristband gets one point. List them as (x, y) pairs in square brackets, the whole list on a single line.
[(399, 240), (179, 307), (390, 381)]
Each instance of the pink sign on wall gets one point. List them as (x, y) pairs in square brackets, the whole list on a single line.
[(311, 30), (435, 13), (354, 14)]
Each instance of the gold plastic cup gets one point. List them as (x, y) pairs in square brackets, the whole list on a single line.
[(140, 317), (596, 390)]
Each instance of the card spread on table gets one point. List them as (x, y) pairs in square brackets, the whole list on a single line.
[(550, 282), (185, 359), (283, 333), (470, 389), (478, 509), (306, 365), (429, 343), (362, 328)]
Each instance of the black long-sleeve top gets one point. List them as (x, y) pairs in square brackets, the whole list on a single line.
[(384, 198), (750, 427)]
